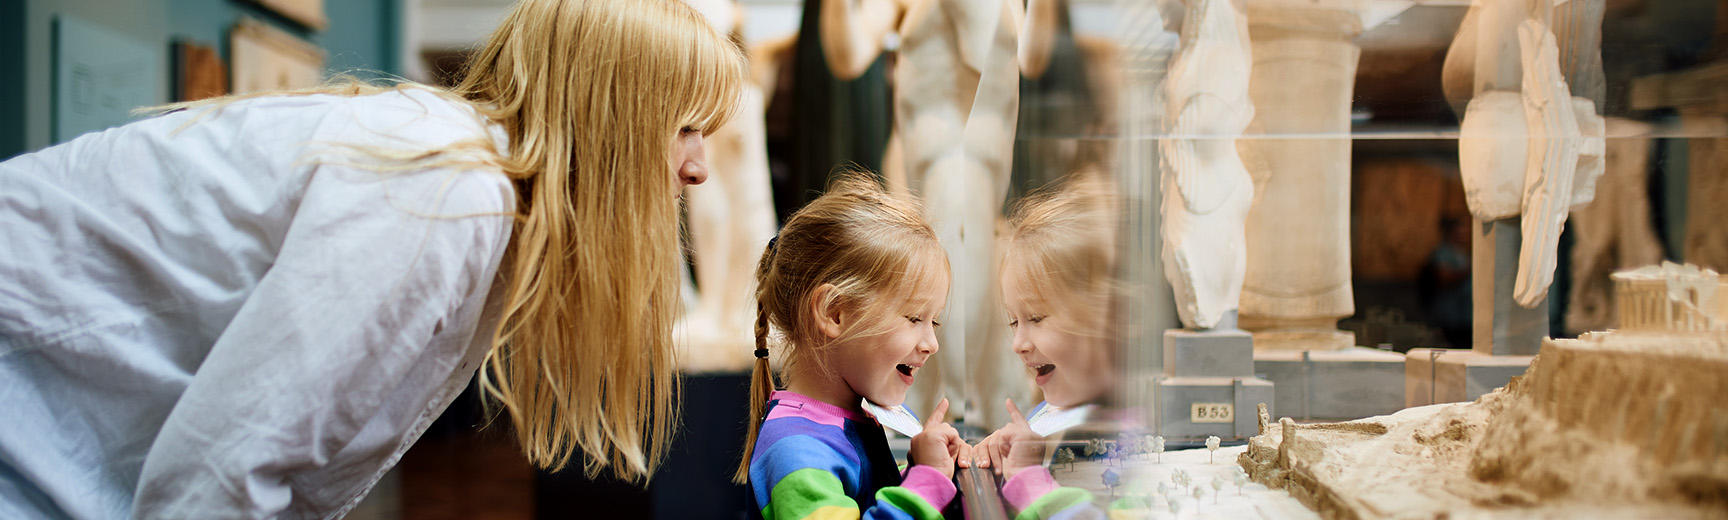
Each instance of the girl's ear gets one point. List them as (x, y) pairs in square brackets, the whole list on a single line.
[(829, 319)]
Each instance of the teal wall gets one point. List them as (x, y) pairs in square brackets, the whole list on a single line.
[(362, 36), (11, 66)]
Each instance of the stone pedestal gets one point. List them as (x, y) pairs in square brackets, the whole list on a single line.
[(1333, 384), (1208, 387), (1297, 284), (1433, 376), (1500, 326), (1506, 335)]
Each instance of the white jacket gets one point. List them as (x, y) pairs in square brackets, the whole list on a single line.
[(200, 319)]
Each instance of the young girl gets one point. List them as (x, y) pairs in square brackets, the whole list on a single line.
[(853, 282), (1056, 284)]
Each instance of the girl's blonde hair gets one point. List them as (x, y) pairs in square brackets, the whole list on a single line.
[(592, 94), (1061, 243), (872, 246)]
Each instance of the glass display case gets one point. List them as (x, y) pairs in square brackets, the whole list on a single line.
[(1343, 209)]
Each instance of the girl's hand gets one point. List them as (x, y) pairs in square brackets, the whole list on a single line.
[(939, 444), (1011, 449)]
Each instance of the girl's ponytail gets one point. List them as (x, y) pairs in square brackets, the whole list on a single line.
[(761, 377)]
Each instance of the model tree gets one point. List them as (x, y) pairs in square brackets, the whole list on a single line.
[(1211, 449), (1110, 480), (1064, 456)]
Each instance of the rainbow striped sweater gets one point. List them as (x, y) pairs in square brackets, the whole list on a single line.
[(816, 460)]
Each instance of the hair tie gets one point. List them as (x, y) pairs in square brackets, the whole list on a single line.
[(762, 353)]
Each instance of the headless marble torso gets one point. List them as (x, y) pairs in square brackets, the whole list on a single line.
[(956, 106), (1528, 147), (956, 114)]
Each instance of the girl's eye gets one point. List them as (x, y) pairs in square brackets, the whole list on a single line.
[(934, 323), (1035, 319), (915, 320), (1013, 323), (687, 130)]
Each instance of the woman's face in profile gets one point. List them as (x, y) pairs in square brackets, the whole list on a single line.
[(689, 163)]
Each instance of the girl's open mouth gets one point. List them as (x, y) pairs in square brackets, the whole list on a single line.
[(905, 371), (1043, 372)]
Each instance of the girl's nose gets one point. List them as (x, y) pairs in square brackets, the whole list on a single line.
[(1021, 345)]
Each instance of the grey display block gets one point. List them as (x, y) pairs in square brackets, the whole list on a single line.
[(1333, 384), (1179, 421), (1433, 376), (1212, 353), (1499, 325)]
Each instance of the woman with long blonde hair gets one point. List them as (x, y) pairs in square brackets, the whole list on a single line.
[(252, 306)]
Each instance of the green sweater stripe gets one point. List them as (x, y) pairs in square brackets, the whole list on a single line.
[(1054, 502), (800, 493)]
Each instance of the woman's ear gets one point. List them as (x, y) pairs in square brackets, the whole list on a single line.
[(830, 321)]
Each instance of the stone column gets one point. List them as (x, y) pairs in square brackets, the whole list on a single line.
[(1298, 281)]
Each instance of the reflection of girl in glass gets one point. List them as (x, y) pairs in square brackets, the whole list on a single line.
[(1056, 285)]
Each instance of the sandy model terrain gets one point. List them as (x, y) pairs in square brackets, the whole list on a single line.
[(1620, 424)]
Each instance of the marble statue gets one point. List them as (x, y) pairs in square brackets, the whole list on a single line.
[(1614, 232), (1528, 147), (1206, 188), (1297, 284), (955, 108)]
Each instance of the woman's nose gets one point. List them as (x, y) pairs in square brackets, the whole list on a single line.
[(693, 168)]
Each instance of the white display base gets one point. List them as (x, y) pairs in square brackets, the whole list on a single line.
[(1141, 474)]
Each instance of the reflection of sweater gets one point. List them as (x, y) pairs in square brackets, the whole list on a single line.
[(817, 460), (1036, 495)]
